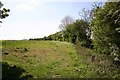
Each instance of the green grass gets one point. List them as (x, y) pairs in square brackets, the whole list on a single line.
[(53, 59)]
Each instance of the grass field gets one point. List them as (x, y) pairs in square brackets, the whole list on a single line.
[(53, 59)]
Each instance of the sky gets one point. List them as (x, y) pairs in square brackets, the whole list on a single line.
[(35, 18)]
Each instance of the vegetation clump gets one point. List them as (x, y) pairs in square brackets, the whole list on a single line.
[(6, 53)]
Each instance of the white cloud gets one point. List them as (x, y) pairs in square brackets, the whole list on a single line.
[(27, 4), (25, 7), (34, 2)]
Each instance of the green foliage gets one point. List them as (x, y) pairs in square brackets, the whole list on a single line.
[(105, 27), (3, 11), (78, 32)]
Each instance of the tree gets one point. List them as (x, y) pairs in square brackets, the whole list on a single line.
[(65, 22), (86, 15), (105, 27), (3, 12), (76, 32)]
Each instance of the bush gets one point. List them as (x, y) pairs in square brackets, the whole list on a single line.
[(115, 52)]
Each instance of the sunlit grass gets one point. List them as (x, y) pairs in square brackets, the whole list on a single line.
[(51, 59)]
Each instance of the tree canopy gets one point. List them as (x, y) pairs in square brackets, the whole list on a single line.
[(3, 12), (65, 22), (105, 27)]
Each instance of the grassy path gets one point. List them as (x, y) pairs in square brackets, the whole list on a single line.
[(52, 59)]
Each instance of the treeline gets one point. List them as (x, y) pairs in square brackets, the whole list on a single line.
[(77, 32), (98, 28)]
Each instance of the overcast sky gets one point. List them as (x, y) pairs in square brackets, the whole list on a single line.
[(36, 18)]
